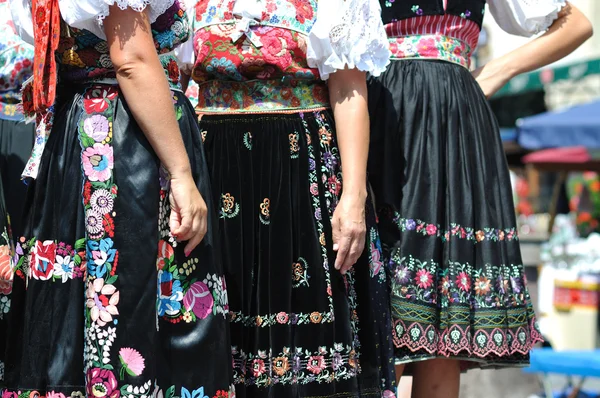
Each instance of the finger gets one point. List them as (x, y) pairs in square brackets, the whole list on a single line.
[(185, 228), (357, 247), (342, 252), (174, 223), (199, 231), (335, 232)]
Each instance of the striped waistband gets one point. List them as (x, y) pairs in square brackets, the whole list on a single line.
[(431, 46), (261, 96)]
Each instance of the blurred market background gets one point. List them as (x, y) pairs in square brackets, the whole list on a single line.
[(550, 123)]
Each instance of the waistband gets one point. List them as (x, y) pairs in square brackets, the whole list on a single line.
[(261, 96), (431, 46)]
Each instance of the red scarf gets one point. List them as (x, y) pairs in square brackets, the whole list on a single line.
[(46, 33)]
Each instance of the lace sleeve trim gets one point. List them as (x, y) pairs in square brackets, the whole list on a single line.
[(526, 17), (356, 40), (89, 14)]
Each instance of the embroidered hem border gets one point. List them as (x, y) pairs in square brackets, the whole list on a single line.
[(480, 333)]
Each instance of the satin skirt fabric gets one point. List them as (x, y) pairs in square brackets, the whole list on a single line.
[(447, 219), (299, 328), (105, 303)]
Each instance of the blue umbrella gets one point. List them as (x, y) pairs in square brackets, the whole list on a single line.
[(576, 126)]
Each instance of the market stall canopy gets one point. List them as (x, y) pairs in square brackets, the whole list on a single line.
[(538, 79), (561, 159), (576, 126)]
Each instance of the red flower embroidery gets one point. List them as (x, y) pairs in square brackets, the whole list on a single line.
[(96, 99), (42, 260), (304, 10)]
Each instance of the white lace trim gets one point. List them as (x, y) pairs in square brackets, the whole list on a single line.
[(89, 14), (355, 40), (157, 7), (526, 17)]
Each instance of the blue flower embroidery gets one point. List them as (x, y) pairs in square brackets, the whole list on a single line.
[(100, 255), (224, 68), (198, 393), (170, 294)]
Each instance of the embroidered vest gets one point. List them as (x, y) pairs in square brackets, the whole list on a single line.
[(397, 10)]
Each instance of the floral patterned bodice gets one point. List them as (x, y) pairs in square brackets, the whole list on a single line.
[(268, 60), (281, 36), (83, 56), (16, 63)]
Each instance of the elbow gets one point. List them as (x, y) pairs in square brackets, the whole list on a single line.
[(128, 65)]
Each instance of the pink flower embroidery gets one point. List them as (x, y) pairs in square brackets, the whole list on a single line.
[(463, 281), (282, 318), (431, 229), (258, 367), (423, 279), (133, 362), (55, 395), (316, 364), (276, 47), (199, 300), (376, 263), (98, 162), (102, 383), (102, 301)]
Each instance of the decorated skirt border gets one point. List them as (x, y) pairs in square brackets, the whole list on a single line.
[(481, 333)]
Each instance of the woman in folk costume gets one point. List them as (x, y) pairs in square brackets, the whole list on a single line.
[(118, 287), (16, 141), (308, 303), (439, 173), (16, 137)]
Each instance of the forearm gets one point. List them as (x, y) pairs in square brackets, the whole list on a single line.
[(144, 85), (150, 100), (567, 33), (348, 95)]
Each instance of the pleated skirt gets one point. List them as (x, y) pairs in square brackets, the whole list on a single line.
[(299, 328), (104, 301), (447, 219)]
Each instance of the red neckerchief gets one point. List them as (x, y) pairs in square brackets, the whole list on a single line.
[(46, 33)]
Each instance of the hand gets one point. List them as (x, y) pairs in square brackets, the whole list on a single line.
[(491, 77), (349, 230), (188, 220)]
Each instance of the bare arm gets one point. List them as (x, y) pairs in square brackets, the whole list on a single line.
[(144, 85), (569, 31), (348, 96)]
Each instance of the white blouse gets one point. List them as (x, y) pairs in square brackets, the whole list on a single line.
[(525, 17), (84, 14), (346, 33)]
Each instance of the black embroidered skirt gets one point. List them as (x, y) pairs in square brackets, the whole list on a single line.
[(447, 219), (104, 302), (299, 328)]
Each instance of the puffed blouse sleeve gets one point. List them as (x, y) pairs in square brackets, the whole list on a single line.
[(89, 14), (348, 33), (185, 52), (21, 16), (525, 17)]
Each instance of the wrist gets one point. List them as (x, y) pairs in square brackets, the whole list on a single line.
[(359, 193), (180, 171)]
